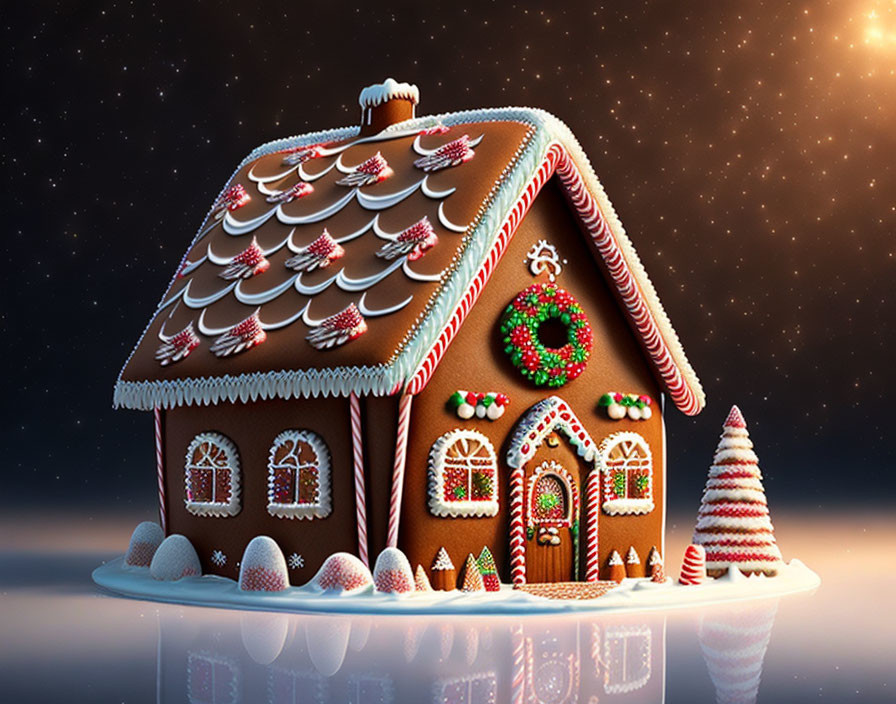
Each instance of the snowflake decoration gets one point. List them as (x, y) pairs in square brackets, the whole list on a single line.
[(296, 561), (219, 559)]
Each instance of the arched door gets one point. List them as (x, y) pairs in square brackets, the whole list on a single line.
[(552, 524)]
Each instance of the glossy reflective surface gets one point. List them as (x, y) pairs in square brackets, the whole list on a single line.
[(64, 640)]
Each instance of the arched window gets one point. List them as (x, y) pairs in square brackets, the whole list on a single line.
[(553, 498), (627, 469), (212, 476), (463, 475), (299, 476)]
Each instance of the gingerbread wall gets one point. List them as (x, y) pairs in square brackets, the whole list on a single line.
[(476, 362), (252, 427)]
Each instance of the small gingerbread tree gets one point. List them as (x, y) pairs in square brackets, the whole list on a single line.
[(733, 523)]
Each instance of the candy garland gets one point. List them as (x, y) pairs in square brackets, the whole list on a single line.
[(345, 326), (240, 337), (489, 405), (374, 170), (621, 405), (414, 241), (299, 190), (454, 153), (317, 255), (542, 365), (246, 264), (177, 347), (232, 199)]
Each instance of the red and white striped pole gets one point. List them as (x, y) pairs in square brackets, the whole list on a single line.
[(592, 499), (401, 446), (517, 529), (360, 494), (518, 684), (160, 469)]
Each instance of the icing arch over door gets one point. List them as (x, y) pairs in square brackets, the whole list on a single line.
[(548, 521)]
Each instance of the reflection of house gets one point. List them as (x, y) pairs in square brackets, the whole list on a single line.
[(411, 334), (322, 661)]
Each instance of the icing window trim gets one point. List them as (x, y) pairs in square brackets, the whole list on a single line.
[(217, 509), (316, 509), (614, 504), (460, 508)]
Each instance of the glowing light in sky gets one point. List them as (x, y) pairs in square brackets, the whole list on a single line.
[(881, 28)]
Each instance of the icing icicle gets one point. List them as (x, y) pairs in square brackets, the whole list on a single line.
[(344, 326), (316, 255), (240, 337), (414, 241)]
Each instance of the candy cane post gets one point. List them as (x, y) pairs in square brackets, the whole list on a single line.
[(693, 569), (163, 517), (360, 494), (401, 446)]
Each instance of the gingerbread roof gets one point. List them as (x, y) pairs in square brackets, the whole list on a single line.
[(334, 263)]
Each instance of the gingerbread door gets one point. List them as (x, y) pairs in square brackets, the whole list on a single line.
[(552, 524)]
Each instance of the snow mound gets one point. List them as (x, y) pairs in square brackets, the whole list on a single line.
[(392, 573), (144, 542), (175, 559), (263, 568), (342, 572)]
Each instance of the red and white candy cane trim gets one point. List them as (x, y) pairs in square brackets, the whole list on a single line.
[(688, 399), (592, 501), (358, 460), (160, 469), (626, 285), (511, 222), (517, 528), (401, 446)]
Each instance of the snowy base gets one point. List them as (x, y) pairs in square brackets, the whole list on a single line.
[(631, 595)]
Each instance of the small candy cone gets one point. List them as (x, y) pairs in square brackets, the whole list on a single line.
[(444, 575), (472, 580), (615, 567), (633, 566), (693, 568), (421, 581)]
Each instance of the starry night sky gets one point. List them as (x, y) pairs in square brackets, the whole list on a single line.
[(748, 148)]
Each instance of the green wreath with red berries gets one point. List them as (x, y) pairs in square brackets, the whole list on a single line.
[(546, 366)]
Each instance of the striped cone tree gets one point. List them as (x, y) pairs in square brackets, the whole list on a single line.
[(733, 523)]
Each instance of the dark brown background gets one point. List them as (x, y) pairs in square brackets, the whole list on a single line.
[(746, 145)]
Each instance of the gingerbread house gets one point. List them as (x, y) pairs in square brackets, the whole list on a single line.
[(420, 332)]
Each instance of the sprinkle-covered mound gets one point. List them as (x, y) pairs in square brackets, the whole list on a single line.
[(733, 523)]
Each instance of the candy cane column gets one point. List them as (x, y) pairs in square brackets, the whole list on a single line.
[(160, 465), (401, 446), (360, 494)]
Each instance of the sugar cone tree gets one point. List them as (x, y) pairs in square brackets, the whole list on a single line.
[(733, 523)]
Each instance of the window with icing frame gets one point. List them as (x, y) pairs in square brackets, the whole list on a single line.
[(212, 476), (463, 475), (299, 476), (627, 658), (626, 465)]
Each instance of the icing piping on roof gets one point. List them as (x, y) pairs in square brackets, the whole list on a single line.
[(387, 378)]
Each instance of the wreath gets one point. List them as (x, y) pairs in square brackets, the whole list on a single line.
[(546, 366)]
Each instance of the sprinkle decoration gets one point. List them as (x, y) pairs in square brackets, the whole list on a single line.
[(414, 241), (621, 405), (240, 337), (374, 170), (489, 405), (522, 319), (246, 264), (454, 153), (300, 190), (345, 326), (317, 255), (300, 155), (232, 199), (178, 347)]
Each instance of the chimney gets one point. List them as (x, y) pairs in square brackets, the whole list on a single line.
[(386, 103)]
